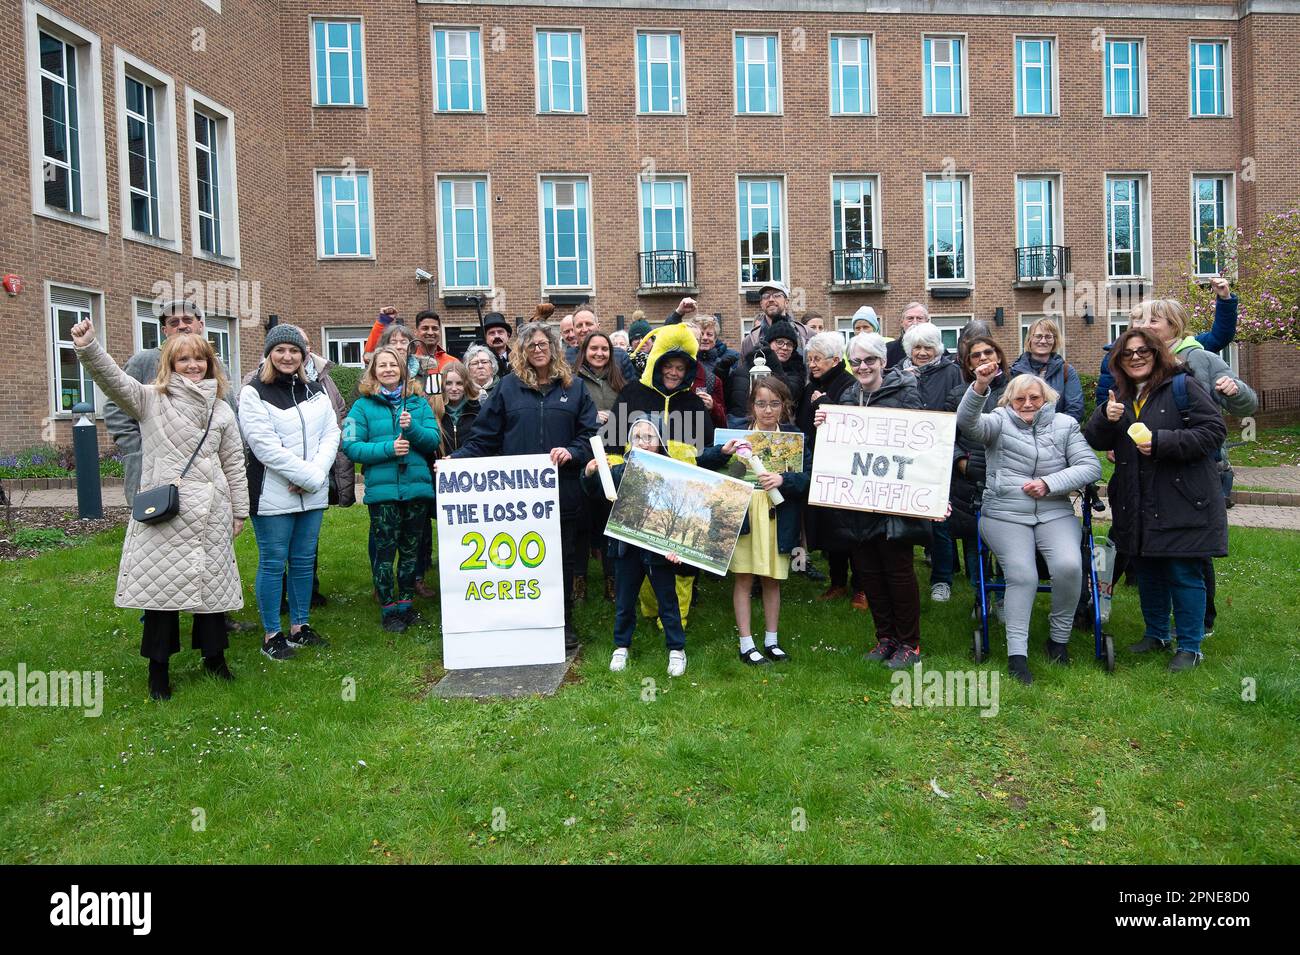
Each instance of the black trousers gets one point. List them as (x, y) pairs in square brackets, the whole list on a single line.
[(162, 634), (572, 557), (1207, 566)]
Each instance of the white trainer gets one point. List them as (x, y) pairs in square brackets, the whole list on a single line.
[(676, 662), (940, 593), (618, 662)]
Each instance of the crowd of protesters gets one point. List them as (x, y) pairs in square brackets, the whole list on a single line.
[(285, 446)]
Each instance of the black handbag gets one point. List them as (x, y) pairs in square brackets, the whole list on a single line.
[(162, 503)]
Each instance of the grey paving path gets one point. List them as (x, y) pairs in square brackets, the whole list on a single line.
[(1246, 515), (1280, 478)]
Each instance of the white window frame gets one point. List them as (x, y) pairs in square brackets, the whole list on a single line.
[(449, 278), (964, 46), (165, 143), (870, 37), (92, 157), (557, 177), (1058, 217), (1116, 324), (1144, 207), (1028, 318), (450, 28), (143, 311), (949, 323), (968, 230), (227, 178), (874, 179), (212, 324), (1018, 86), (52, 345), (365, 76), (685, 180), (1139, 73), (780, 74), (785, 226), (1192, 68), (340, 335), (537, 69), (1229, 209), (320, 216), (636, 70)]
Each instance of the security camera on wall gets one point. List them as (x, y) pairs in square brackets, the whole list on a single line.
[(423, 276)]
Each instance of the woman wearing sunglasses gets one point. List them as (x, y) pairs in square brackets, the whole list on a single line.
[(1168, 509)]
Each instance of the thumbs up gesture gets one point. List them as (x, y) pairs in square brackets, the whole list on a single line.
[(1114, 408)]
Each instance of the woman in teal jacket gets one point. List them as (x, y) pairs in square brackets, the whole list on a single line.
[(393, 435)]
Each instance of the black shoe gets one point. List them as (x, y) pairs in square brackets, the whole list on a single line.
[(754, 658), (159, 685), (813, 574), (318, 599), (1082, 621), (395, 623), (1184, 660), (277, 648), (1058, 652), (216, 667), (1148, 644), (306, 637), (413, 617), (1018, 667), (904, 657), (775, 653), (571, 642), (882, 651)]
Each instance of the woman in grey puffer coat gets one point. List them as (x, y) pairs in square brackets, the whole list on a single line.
[(1035, 458)]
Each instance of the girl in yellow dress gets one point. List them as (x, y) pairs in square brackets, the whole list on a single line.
[(770, 532)]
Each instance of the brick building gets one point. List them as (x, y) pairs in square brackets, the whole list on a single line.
[(303, 159)]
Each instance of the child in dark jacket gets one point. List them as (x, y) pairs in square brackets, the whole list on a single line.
[(633, 564)]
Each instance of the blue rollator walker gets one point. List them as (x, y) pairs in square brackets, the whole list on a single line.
[(1104, 643)]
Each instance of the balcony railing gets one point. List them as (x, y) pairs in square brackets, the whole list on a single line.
[(1042, 263), (666, 268), (859, 267)]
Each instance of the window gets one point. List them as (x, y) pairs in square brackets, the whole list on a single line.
[(1038, 228), (65, 120), (1125, 226), (214, 209), (339, 59), (345, 346), (458, 70), (1035, 76), (148, 330), (659, 73), (464, 233), (1125, 65), (222, 334), (71, 383), (1118, 323), (147, 157), (1027, 321), (943, 86), (854, 221), (1209, 76), (950, 327), (760, 225), (853, 71), (566, 233), (560, 72), (1213, 209), (758, 74), (947, 229), (344, 215), (665, 228)]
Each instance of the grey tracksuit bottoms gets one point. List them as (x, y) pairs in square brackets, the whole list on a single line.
[(1015, 545)]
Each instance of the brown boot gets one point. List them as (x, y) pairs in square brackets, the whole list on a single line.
[(833, 593), (859, 601), (424, 590), (579, 588)]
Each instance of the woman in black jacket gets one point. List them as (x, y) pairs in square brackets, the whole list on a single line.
[(880, 545), (779, 350), (542, 409), (1167, 506), (828, 382)]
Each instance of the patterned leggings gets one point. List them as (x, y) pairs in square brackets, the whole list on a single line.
[(397, 530)]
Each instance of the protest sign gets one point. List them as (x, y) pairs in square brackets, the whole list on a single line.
[(891, 460), (778, 450), (499, 561), (668, 506)]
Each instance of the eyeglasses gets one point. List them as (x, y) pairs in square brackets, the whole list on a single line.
[(537, 346), (769, 295), (176, 320), (1142, 351), (1043, 338), (768, 405), (983, 355), (870, 361)]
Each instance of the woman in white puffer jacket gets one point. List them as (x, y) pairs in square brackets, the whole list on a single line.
[(1035, 458), (293, 436)]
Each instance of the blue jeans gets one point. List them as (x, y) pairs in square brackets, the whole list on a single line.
[(941, 554), (629, 571), (285, 539), (1177, 582)]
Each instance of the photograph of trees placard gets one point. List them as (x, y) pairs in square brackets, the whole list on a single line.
[(665, 505), (779, 451)]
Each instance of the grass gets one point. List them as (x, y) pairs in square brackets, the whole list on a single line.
[(1272, 447), (712, 767)]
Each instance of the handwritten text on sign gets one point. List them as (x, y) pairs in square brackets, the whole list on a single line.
[(890, 460)]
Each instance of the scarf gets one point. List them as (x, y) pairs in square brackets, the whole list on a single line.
[(392, 395)]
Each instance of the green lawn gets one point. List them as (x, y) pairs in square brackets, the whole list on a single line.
[(713, 767)]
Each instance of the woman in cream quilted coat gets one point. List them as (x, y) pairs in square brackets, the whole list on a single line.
[(185, 563)]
